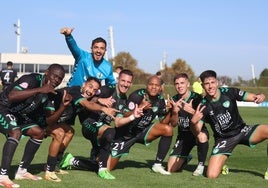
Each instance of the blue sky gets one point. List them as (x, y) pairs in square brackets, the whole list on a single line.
[(227, 36)]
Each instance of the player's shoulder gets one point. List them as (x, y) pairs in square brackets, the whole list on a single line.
[(106, 62), (107, 91), (139, 92)]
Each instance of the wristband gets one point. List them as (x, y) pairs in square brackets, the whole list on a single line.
[(132, 117)]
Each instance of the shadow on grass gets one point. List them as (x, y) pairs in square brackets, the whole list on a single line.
[(246, 171), (129, 163), (34, 169)]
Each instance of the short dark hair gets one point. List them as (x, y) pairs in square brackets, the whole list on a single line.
[(158, 73), (154, 77), (56, 66), (9, 63), (207, 74), (180, 75), (91, 78), (99, 39), (126, 71)]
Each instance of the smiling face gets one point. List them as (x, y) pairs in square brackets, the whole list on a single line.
[(210, 85), (181, 85), (90, 88), (124, 83), (98, 51), (153, 86), (54, 75)]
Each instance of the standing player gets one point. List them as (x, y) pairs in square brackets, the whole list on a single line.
[(219, 109), (186, 140), (89, 64), (146, 128), (96, 127), (8, 75), (26, 94)]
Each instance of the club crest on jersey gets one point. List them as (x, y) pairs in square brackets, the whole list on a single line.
[(24, 85), (120, 107), (215, 150), (99, 75), (226, 104), (114, 153), (155, 108)]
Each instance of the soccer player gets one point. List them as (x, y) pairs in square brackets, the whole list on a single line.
[(44, 118), (186, 140), (89, 64), (61, 130), (96, 127), (8, 75), (151, 125), (219, 109), (25, 95)]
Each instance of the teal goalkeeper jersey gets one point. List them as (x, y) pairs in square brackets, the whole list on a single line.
[(85, 66)]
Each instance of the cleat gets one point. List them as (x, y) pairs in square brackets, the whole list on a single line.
[(225, 170), (266, 175), (60, 171), (105, 174), (65, 162), (6, 182), (51, 176), (199, 170), (158, 168), (26, 176)]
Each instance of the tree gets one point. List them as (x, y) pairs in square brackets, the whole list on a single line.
[(180, 66), (263, 80), (125, 60), (225, 80)]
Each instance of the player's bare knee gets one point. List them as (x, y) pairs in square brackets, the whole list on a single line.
[(16, 133), (70, 132), (168, 130), (58, 134), (202, 137)]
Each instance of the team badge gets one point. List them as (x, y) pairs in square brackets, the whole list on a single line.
[(155, 108), (114, 153), (120, 107), (99, 75), (215, 150), (226, 104)]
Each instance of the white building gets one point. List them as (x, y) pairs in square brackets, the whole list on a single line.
[(27, 63)]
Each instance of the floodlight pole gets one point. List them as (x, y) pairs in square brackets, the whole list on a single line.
[(253, 74), (111, 37), (17, 32)]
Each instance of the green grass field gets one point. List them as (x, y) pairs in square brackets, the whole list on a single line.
[(247, 166)]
